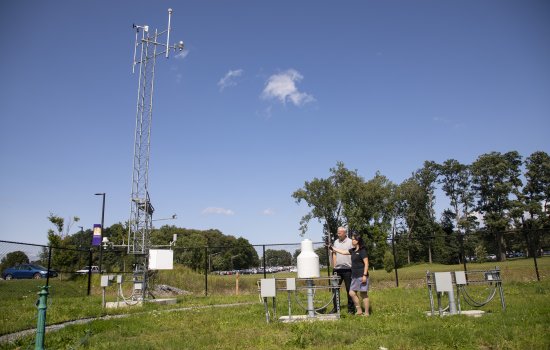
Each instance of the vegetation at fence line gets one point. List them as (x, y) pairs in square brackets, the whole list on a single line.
[(398, 321)]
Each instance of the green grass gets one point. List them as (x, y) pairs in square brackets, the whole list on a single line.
[(398, 320)]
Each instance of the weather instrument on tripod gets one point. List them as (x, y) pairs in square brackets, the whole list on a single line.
[(311, 292)]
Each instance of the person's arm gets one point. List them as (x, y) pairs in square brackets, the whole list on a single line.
[(365, 269), (340, 251), (333, 258)]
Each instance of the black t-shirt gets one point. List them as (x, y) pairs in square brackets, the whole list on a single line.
[(357, 263)]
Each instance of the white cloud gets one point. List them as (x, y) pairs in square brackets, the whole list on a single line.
[(282, 86), (182, 54), (218, 211), (229, 79), (268, 211)]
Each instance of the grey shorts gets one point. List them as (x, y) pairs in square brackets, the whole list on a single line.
[(358, 286)]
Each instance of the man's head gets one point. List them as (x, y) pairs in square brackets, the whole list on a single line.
[(342, 233)]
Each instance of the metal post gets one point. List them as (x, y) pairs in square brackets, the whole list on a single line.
[(310, 307), (41, 324), (42, 307), (463, 253), (430, 294), (336, 293), (90, 271), (206, 271), (289, 306), (102, 228), (452, 304), (49, 266), (394, 257), (263, 248), (500, 290), (266, 307), (533, 252), (328, 260)]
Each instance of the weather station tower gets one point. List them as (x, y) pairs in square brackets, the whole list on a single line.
[(148, 46)]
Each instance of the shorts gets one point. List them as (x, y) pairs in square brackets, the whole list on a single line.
[(357, 284)]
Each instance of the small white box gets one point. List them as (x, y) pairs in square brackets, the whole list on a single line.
[(105, 281), (460, 278), (443, 282), (267, 287), (161, 259), (290, 284)]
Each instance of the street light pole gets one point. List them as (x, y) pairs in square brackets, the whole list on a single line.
[(102, 226)]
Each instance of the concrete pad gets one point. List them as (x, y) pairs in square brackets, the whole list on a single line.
[(119, 304), (300, 318), (471, 313)]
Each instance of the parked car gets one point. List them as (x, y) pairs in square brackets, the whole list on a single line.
[(27, 271), (86, 269)]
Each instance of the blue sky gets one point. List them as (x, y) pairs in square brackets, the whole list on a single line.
[(267, 95)]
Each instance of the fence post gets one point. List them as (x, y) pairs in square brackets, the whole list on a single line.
[(463, 252), (395, 262), (533, 252), (206, 271), (327, 251), (263, 249), (89, 271)]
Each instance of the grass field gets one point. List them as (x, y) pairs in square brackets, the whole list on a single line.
[(398, 320)]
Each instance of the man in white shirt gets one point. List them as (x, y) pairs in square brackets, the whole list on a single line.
[(342, 263)]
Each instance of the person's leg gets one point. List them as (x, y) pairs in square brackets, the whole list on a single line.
[(365, 297), (346, 276), (356, 301)]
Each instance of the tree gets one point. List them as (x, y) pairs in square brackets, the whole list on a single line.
[(194, 248), (14, 258), (322, 252), (537, 189), (279, 257), (324, 198), (64, 255), (455, 179), (535, 197), (496, 177), (426, 178), (413, 209)]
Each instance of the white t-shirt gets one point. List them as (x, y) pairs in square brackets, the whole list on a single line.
[(343, 261)]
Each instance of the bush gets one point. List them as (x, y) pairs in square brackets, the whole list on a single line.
[(481, 253)]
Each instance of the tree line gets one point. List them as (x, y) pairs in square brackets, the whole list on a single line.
[(497, 203)]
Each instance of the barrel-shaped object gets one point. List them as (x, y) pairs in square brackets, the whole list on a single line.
[(308, 261)]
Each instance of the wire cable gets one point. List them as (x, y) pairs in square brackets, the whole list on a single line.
[(470, 300)]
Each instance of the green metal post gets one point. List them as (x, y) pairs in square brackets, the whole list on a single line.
[(41, 325)]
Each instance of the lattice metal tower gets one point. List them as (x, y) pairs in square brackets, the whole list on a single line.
[(146, 50)]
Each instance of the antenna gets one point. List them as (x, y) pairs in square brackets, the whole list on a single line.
[(141, 209)]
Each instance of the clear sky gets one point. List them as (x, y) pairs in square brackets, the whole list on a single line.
[(267, 95)]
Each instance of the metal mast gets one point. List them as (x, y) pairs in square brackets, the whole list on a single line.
[(146, 49)]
